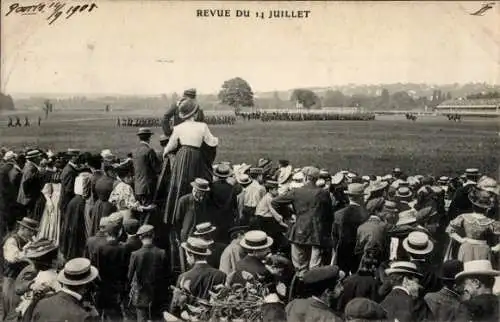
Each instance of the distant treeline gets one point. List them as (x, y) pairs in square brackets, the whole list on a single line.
[(494, 94)]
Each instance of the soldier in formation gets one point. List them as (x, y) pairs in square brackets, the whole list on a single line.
[(158, 122), (454, 117), (411, 117)]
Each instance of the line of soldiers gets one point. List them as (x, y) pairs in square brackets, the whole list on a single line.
[(26, 123), (411, 117), (157, 122), (454, 117), (300, 116)]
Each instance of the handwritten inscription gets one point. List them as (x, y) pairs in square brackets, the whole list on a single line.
[(54, 10), (271, 14)]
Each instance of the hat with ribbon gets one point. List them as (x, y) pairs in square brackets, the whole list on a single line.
[(188, 108), (355, 189), (33, 154), (406, 218), (243, 179), (481, 198), (107, 155), (203, 229), (418, 243), (390, 206), (197, 246), (403, 267), (338, 178), (403, 193), (271, 184), (223, 171), (477, 268), (200, 184), (256, 240), (488, 184), (29, 223), (77, 271)]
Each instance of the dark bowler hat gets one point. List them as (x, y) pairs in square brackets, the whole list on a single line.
[(78, 271), (188, 108), (200, 184), (223, 171), (191, 93), (29, 223), (364, 309), (144, 131), (450, 269)]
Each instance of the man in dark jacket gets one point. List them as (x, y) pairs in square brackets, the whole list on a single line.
[(10, 181), (403, 302), (345, 228), (31, 183), (70, 303), (146, 277), (68, 176), (460, 203), (311, 232), (147, 166)]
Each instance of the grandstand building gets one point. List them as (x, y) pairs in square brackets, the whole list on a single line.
[(479, 107)]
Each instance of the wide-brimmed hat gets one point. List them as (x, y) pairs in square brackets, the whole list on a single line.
[(481, 198), (144, 131), (200, 184), (256, 240), (377, 186), (403, 267), (406, 218), (39, 248), (197, 246), (443, 180), (29, 223), (33, 154), (418, 243), (355, 189), (450, 269), (204, 228), (77, 271), (243, 179), (311, 172), (188, 108), (285, 174), (488, 184), (223, 171), (337, 178), (477, 268), (403, 192), (471, 172)]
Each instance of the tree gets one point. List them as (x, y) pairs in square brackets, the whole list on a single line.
[(306, 97), (237, 93), (403, 101), (6, 102), (334, 99)]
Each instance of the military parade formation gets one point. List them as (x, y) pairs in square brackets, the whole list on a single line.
[(17, 122)]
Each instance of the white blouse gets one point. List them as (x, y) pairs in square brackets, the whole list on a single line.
[(190, 133)]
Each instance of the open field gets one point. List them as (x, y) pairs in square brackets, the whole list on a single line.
[(431, 145)]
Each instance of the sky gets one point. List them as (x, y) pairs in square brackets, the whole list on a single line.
[(116, 47)]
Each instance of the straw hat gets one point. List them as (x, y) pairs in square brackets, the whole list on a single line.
[(403, 192), (477, 268), (107, 155), (197, 246), (256, 240), (33, 154), (403, 267), (200, 184), (337, 178), (418, 243), (285, 174), (188, 108), (223, 171), (9, 155), (77, 271), (406, 218), (377, 186), (489, 184), (204, 228), (355, 189), (481, 198), (29, 223), (243, 179)]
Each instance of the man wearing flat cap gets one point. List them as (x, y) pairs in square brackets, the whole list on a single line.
[(314, 218), (173, 112), (321, 283), (147, 166)]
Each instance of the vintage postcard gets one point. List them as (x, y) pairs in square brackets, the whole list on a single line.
[(391, 107)]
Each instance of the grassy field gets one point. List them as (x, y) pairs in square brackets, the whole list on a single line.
[(430, 145)]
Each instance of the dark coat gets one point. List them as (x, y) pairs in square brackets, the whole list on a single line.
[(203, 278), (94, 243), (189, 214), (217, 250), (10, 181), (147, 166), (254, 266), (443, 304), (173, 112), (483, 308), (310, 310), (460, 203), (399, 305), (372, 234), (224, 207), (73, 233), (68, 309), (345, 228), (31, 185), (313, 210), (132, 244), (358, 285), (68, 176), (430, 282), (145, 273)]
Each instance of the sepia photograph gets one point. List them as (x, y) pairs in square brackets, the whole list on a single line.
[(286, 161)]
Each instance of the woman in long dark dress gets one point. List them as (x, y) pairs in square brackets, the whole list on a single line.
[(73, 234), (102, 207), (195, 152)]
